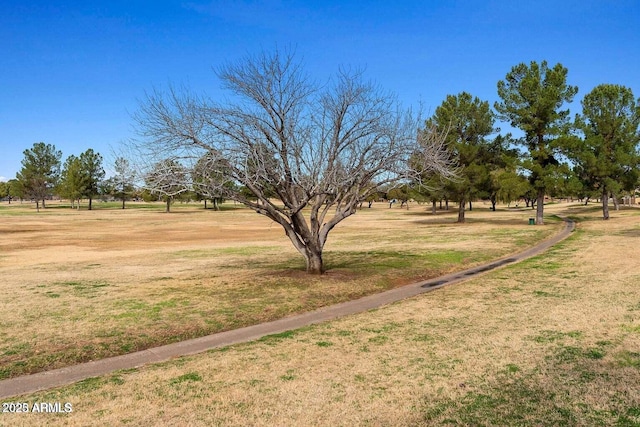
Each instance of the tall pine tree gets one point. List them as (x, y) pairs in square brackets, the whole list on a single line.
[(40, 172), (607, 154), (468, 121), (532, 98)]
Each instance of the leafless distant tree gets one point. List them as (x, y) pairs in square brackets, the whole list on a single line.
[(302, 154), (168, 179)]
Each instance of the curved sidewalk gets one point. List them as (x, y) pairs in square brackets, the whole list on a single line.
[(63, 376)]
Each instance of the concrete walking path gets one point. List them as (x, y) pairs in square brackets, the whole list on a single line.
[(63, 376)]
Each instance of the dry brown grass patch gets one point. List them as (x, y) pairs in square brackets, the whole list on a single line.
[(551, 341), (86, 285)]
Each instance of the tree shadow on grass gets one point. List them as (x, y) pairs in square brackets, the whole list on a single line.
[(378, 263)]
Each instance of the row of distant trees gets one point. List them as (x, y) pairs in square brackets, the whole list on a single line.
[(282, 144), (593, 156), (43, 175)]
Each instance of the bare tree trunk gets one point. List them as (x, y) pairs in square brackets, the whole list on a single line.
[(37, 206), (90, 200), (540, 208), (470, 206), (446, 204), (122, 202), (314, 261), (616, 204), (168, 208), (433, 207), (461, 211), (605, 205)]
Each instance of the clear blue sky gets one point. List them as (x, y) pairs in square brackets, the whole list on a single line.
[(72, 71)]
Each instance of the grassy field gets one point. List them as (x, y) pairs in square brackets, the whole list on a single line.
[(554, 340), (83, 285)]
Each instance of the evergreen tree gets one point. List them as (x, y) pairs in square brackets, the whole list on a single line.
[(468, 121), (72, 184), (93, 173), (532, 98), (607, 155), (40, 172), (14, 189)]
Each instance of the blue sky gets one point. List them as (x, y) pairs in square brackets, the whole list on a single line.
[(72, 72)]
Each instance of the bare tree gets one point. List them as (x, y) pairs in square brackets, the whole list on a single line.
[(302, 154), (167, 179), (208, 180)]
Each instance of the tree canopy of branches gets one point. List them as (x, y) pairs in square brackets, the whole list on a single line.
[(532, 97), (40, 172), (208, 180), (302, 154), (606, 157), (167, 179), (469, 121)]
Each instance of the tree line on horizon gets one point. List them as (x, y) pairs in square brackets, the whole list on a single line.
[(595, 156), (332, 147)]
